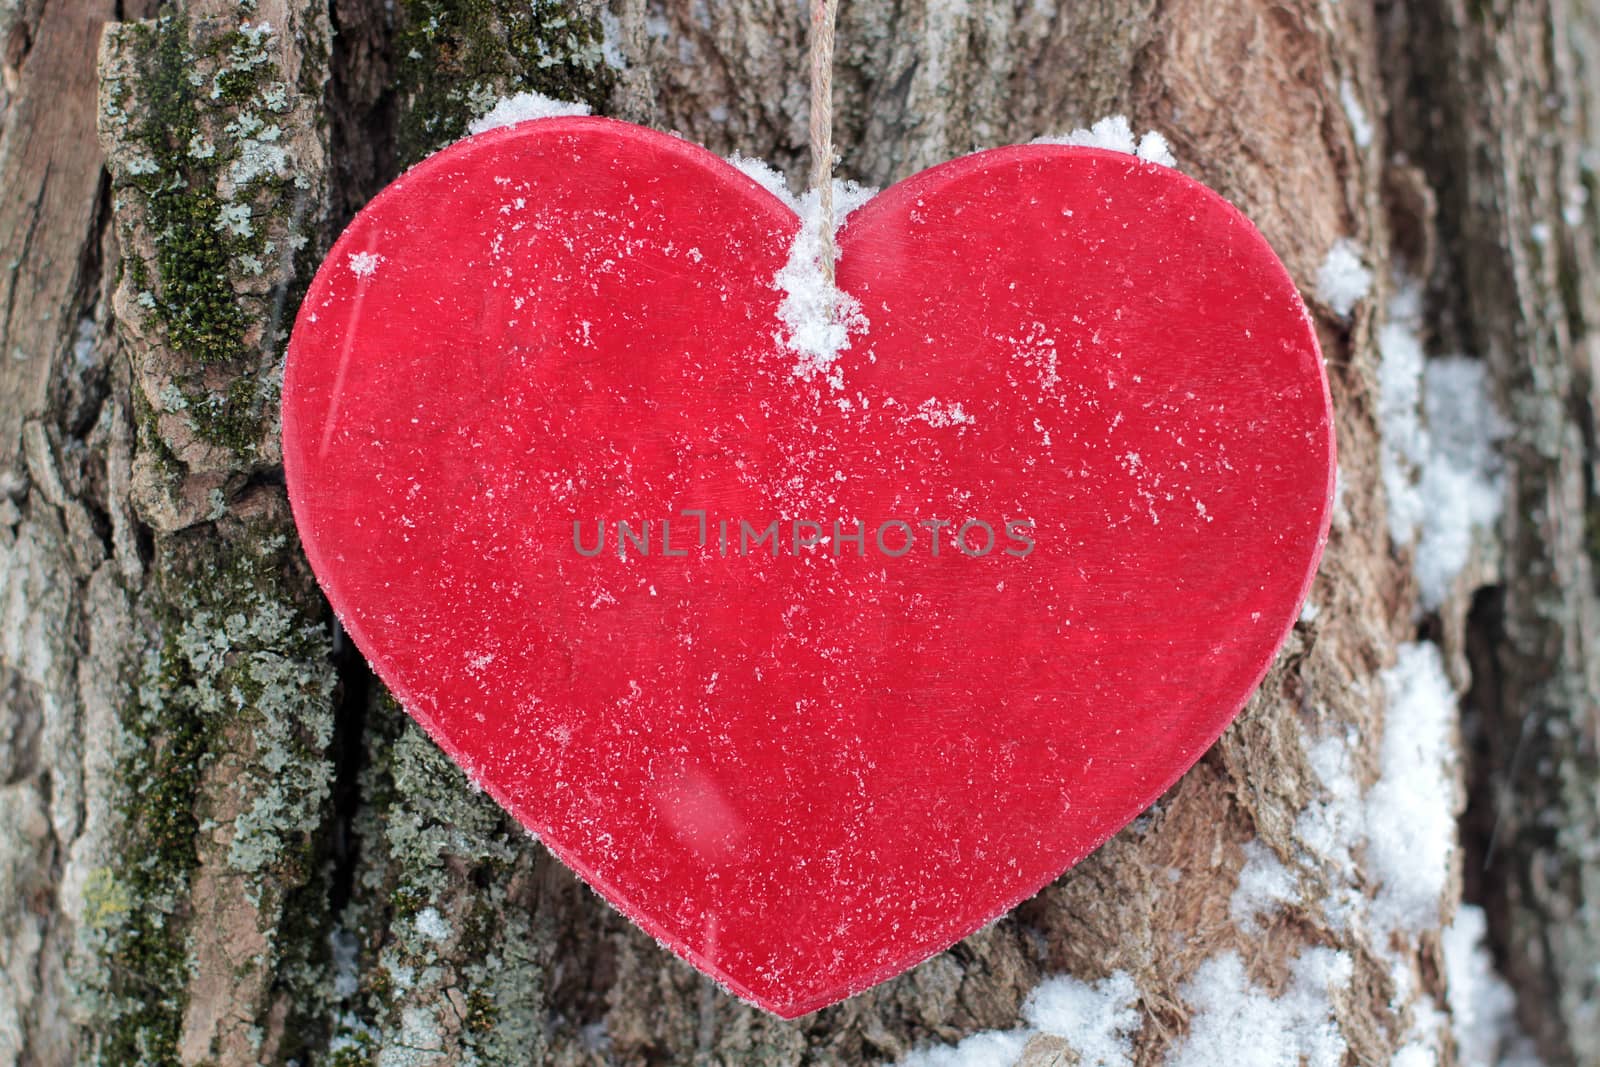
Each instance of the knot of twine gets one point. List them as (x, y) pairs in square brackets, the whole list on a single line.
[(823, 13)]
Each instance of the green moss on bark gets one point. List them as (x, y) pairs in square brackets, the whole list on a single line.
[(232, 418), (201, 120), (456, 57), (196, 249)]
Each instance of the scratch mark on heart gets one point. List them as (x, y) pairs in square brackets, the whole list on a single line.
[(344, 362)]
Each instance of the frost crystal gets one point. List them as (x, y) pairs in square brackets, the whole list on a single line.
[(1153, 148), (1405, 443), (940, 415), (1097, 1020), (83, 342), (992, 1048), (764, 175), (364, 264), (1405, 821), (1461, 486)]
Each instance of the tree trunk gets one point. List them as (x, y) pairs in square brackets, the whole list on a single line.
[(222, 843)]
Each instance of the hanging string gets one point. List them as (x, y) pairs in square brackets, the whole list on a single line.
[(823, 13)]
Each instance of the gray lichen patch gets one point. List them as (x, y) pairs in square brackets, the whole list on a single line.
[(216, 155), (225, 781), (453, 965)]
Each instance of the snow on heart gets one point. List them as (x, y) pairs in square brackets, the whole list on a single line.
[(819, 319), (1113, 132)]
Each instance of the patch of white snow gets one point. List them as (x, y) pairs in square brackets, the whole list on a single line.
[(364, 264), (1343, 280), (1360, 125), (1114, 133), (819, 319), (525, 106)]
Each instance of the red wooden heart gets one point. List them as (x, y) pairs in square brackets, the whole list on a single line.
[(805, 772)]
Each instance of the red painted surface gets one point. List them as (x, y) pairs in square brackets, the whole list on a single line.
[(806, 773)]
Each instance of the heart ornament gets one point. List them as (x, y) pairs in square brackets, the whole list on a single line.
[(811, 667)]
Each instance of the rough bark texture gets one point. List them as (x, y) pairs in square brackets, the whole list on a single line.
[(217, 834)]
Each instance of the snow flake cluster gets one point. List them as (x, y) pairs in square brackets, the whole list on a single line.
[(1441, 472), (1237, 1024), (523, 107), (1114, 133), (1097, 1019), (1264, 886), (819, 319), (1343, 279), (364, 264)]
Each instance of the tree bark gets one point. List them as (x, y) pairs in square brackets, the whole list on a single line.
[(217, 832)]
